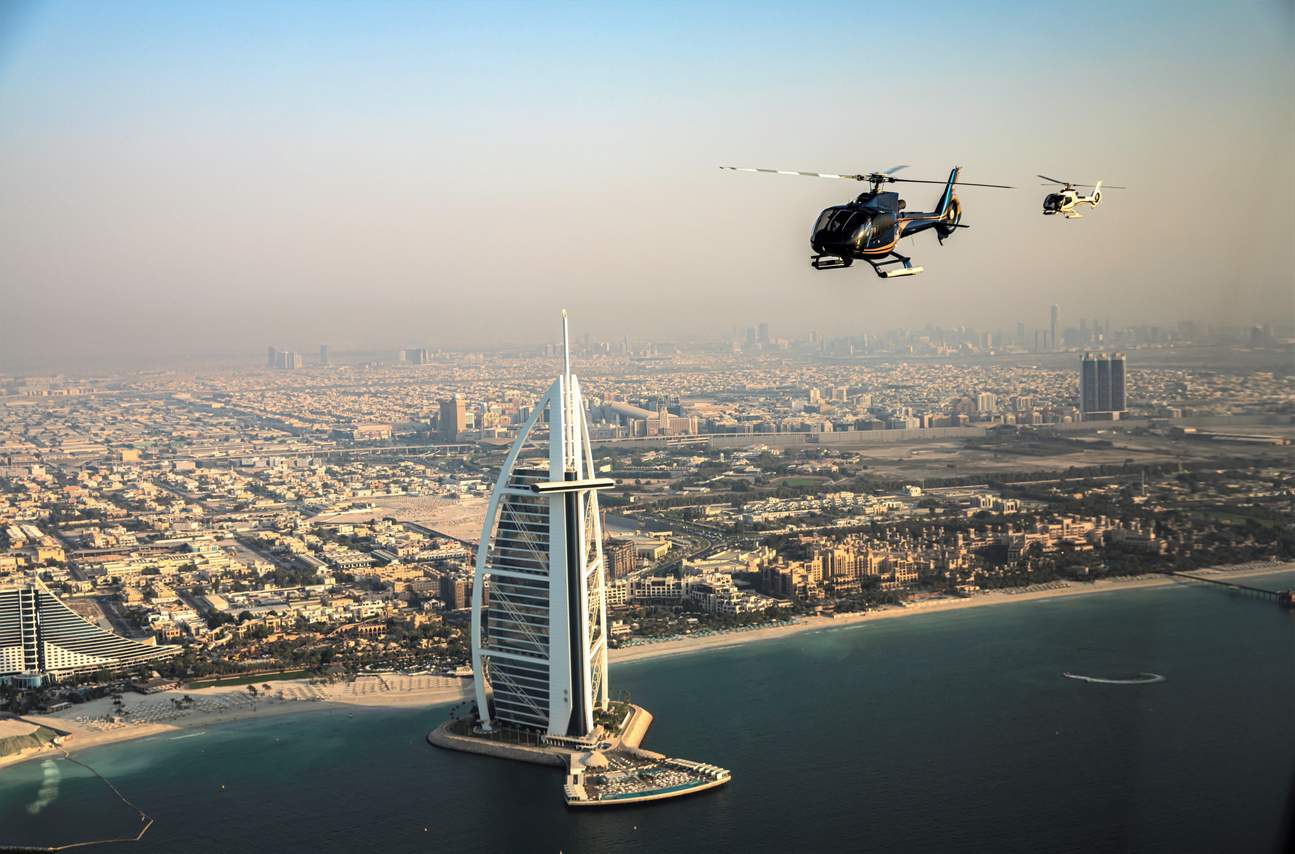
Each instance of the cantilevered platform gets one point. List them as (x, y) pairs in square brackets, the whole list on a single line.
[(627, 776), (610, 769)]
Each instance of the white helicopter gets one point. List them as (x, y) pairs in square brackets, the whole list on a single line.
[(1065, 201)]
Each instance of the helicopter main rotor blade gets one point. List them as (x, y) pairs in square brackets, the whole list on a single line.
[(1055, 181), (794, 172), (1104, 186), (876, 177), (955, 183)]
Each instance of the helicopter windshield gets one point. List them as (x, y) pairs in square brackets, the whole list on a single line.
[(864, 228), (837, 222)]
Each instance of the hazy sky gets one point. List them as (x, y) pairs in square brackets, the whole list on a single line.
[(215, 177)]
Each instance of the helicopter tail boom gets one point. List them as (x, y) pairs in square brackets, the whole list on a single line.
[(943, 207)]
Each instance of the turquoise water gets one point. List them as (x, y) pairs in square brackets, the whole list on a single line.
[(936, 732)]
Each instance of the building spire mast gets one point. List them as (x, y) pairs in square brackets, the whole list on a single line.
[(566, 350), (569, 413)]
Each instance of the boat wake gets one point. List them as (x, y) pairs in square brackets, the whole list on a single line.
[(1140, 679), (190, 735)]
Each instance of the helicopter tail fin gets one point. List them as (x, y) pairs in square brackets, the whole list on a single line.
[(945, 199)]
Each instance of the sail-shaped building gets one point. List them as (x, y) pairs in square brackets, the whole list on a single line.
[(539, 613)]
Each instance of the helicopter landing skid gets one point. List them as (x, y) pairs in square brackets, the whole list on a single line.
[(894, 258), (830, 262)]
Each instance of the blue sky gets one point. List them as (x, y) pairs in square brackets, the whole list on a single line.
[(217, 176)]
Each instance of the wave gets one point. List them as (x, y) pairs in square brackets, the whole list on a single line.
[(1140, 679)]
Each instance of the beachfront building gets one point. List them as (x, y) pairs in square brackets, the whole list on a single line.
[(41, 637), (539, 613)]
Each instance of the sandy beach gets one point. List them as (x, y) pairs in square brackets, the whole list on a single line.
[(88, 726)]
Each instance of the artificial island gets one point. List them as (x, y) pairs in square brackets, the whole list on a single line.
[(539, 626)]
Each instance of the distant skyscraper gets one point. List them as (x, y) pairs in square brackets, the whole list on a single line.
[(1101, 384), (1104, 384), (323, 355), (1052, 339), (539, 651), (288, 360), (764, 333), (415, 356), (1119, 402), (282, 359), (40, 636), (454, 417)]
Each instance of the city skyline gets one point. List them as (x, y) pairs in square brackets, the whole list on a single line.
[(318, 188), (1036, 339)]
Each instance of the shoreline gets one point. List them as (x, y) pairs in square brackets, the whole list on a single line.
[(155, 714), (1062, 590)]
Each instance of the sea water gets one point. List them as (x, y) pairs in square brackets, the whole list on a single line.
[(948, 731)]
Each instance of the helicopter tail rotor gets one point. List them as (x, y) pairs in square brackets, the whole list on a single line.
[(952, 221)]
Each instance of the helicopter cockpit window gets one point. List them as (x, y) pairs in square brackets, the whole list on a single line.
[(844, 220)]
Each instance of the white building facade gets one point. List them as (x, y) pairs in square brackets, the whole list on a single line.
[(539, 610), (41, 636)]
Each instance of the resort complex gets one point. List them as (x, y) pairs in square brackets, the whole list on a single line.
[(40, 638)]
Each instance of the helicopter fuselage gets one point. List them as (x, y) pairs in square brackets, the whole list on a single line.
[(868, 228), (871, 226), (1065, 201)]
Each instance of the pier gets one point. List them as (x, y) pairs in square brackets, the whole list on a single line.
[(1284, 598)]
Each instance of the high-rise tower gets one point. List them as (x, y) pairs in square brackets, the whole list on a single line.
[(454, 417), (1101, 384), (539, 614)]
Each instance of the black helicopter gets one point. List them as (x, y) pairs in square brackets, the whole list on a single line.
[(869, 228)]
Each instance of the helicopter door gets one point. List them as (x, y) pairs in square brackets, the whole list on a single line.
[(881, 231)]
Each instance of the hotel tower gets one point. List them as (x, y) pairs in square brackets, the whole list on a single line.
[(539, 616), (41, 637)]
